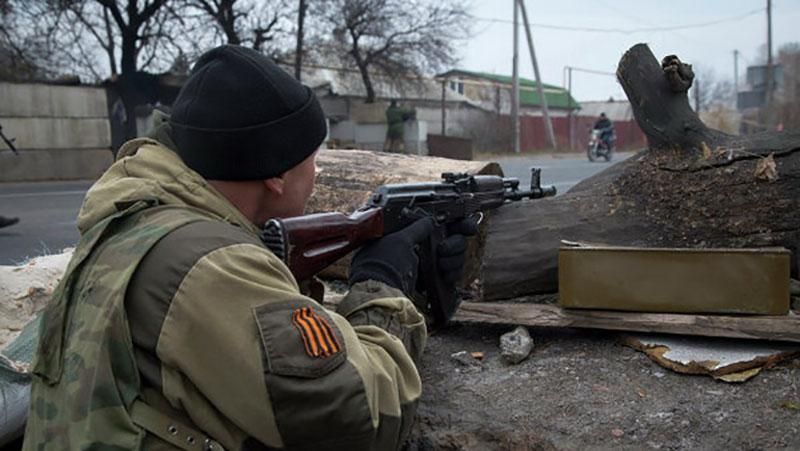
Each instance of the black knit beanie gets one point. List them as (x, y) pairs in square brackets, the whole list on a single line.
[(241, 117)]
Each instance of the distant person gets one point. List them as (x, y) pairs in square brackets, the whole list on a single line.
[(5, 222), (395, 117), (606, 128)]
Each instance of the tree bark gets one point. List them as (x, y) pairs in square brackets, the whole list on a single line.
[(298, 53), (128, 88), (693, 187), (363, 69)]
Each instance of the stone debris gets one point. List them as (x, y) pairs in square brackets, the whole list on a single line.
[(464, 358), (515, 346), (729, 360)]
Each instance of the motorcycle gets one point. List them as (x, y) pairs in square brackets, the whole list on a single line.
[(599, 147)]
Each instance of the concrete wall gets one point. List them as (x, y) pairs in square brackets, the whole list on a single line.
[(334, 107), (460, 121), (61, 132), (371, 136)]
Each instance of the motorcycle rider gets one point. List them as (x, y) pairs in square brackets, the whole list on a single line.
[(606, 128)]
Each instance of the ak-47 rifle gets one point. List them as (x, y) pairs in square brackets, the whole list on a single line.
[(308, 244), (9, 142)]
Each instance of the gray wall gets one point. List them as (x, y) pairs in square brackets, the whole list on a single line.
[(371, 136), (62, 132)]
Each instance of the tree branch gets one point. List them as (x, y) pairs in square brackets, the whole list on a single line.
[(111, 6)]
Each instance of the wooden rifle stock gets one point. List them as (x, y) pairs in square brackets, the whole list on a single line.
[(308, 244)]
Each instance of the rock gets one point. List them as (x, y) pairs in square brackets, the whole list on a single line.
[(464, 358), (515, 346)]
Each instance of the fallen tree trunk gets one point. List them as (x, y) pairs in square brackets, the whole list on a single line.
[(693, 187)]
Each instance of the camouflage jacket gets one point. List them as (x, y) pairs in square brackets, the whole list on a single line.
[(395, 118), (175, 328)]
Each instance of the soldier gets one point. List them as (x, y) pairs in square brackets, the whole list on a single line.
[(395, 118), (174, 327)]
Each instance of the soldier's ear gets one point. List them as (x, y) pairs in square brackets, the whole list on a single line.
[(275, 185)]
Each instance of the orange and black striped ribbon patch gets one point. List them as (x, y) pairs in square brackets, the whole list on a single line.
[(318, 337)]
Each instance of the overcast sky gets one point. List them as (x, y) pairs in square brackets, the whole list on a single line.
[(739, 24)]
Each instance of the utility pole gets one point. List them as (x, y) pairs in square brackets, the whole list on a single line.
[(515, 83), (571, 117), (736, 79), (444, 107), (548, 125), (770, 76)]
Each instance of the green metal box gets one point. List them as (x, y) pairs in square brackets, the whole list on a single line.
[(747, 281)]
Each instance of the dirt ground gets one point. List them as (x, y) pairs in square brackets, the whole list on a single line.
[(585, 390)]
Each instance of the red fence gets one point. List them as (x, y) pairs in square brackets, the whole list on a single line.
[(532, 134)]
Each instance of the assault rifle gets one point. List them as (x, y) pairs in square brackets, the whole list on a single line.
[(308, 244), (9, 142)]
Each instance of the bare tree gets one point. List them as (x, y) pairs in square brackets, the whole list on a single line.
[(15, 62), (254, 23), (394, 38), (26, 41), (708, 91), (100, 39)]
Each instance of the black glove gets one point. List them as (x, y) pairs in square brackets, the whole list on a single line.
[(440, 278), (393, 258), (452, 250)]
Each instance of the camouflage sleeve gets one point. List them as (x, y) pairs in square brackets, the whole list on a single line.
[(249, 358)]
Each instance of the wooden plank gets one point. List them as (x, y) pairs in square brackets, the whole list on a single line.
[(778, 328)]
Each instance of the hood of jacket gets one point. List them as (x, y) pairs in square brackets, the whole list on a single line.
[(148, 169)]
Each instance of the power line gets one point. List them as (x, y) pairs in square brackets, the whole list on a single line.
[(627, 30), (590, 71), (636, 19)]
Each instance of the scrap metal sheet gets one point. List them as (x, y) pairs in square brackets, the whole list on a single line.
[(729, 360)]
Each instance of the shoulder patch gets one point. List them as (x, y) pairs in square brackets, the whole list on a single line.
[(299, 339), (317, 336)]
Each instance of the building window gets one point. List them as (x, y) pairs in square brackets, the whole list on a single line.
[(457, 86)]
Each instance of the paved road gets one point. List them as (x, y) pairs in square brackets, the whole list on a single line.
[(563, 171), (47, 210)]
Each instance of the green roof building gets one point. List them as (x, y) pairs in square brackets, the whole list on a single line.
[(493, 91)]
